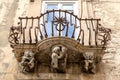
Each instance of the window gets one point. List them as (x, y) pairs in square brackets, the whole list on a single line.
[(63, 5), (70, 6)]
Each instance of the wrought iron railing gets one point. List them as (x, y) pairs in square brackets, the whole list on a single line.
[(59, 23)]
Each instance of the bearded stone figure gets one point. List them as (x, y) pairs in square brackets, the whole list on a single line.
[(28, 62), (58, 54)]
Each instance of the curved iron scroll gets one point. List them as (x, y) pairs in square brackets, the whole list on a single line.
[(14, 35), (60, 23), (105, 34)]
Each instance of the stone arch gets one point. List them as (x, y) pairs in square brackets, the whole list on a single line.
[(68, 42), (44, 48)]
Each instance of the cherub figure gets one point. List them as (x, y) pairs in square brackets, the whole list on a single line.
[(55, 56), (28, 62), (89, 62)]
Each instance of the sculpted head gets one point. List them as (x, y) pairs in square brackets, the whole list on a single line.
[(64, 49), (56, 49), (28, 53)]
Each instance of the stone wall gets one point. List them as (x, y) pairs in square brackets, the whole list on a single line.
[(9, 12), (107, 10)]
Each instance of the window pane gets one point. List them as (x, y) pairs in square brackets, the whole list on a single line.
[(50, 18), (52, 6), (64, 6), (67, 6)]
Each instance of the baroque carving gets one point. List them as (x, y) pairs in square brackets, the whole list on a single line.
[(27, 63), (89, 62), (59, 58)]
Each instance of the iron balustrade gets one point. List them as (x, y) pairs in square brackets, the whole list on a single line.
[(59, 23)]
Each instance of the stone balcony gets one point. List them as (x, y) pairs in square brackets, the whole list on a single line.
[(85, 39)]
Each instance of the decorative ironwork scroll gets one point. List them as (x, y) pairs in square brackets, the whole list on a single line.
[(105, 34), (62, 22), (14, 36)]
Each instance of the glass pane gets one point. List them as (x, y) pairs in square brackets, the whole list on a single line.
[(50, 18), (67, 6), (52, 6)]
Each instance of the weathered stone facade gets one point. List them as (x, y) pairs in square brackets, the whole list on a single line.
[(107, 10)]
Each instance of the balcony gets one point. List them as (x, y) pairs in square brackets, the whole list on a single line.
[(58, 28)]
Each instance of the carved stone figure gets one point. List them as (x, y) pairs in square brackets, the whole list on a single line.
[(63, 52), (89, 62), (58, 57), (55, 56), (28, 62), (63, 59)]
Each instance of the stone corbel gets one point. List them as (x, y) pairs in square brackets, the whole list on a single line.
[(27, 63), (89, 62)]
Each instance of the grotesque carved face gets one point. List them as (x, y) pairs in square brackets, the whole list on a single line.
[(89, 55), (28, 53)]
